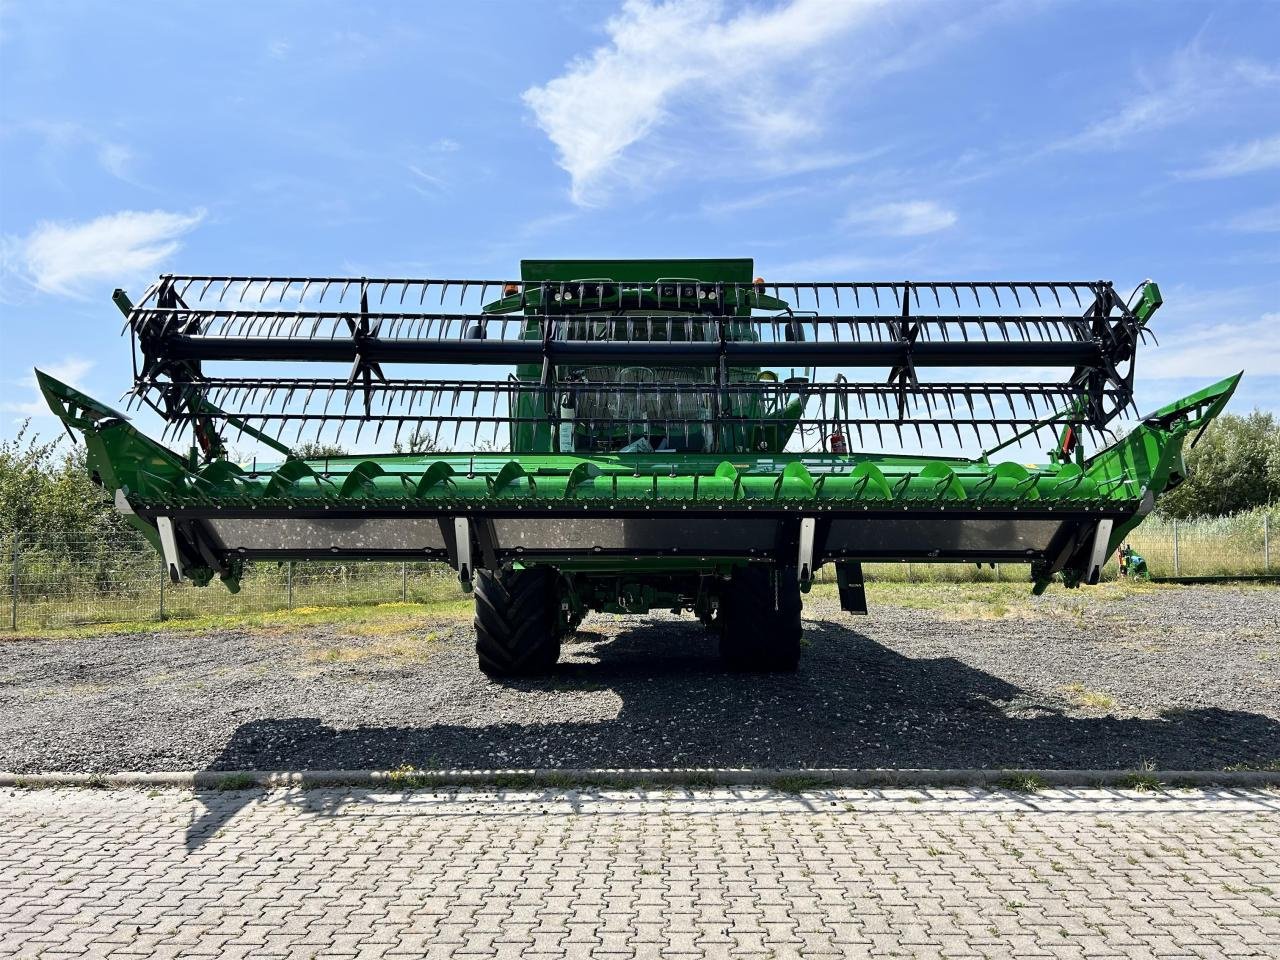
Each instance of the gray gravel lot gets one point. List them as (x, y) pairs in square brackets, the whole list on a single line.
[(1183, 677)]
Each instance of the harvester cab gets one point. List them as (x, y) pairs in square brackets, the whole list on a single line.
[(631, 435)]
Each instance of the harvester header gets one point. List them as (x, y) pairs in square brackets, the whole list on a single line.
[(677, 434)]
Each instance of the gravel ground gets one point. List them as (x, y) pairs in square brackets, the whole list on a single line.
[(1183, 677)]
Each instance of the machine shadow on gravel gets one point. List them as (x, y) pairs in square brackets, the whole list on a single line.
[(852, 703)]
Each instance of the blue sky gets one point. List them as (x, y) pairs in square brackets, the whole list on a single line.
[(829, 139)]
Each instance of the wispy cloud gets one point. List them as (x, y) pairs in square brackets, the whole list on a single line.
[(659, 53), (70, 370), (751, 201), (843, 265), (65, 257), (1260, 220), (1238, 159), (61, 136), (116, 159), (426, 183), (908, 219), (1221, 348), (1189, 84)]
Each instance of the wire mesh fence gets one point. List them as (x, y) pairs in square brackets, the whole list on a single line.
[(53, 580)]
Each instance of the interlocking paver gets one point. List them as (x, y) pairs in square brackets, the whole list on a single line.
[(741, 873)]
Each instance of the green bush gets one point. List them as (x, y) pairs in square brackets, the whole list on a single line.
[(1234, 467), (43, 486)]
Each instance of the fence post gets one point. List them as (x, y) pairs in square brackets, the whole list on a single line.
[(13, 599), (404, 582), (288, 581), (1266, 544), (163, 575), (1177, 560)]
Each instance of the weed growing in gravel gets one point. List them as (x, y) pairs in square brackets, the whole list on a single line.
[(236, 781), (515, 781), (1143, 779), (1262, 766), (1022, 783), (1082, 696), (704, 781), (406, 777), (799, 784)]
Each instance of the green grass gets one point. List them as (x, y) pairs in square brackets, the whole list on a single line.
[(1263, 766), (237, 781), (996, 600), (57, 601), (1022, 783), (1143, 780), (1082, 696), (369, 619), (799, 784)]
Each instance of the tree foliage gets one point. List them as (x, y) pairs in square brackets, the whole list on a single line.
[(1235, 466), (420, 441), (43, 488), (315, 450)]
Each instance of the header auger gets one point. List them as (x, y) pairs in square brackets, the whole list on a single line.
[(675, 434)]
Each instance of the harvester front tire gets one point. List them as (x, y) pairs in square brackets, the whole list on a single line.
[(759, 620), (517, 629)]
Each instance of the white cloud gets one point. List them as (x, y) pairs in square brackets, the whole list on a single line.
[(437, 184), (1186, 86), (62, 136), (753, 201), (909, 219), (63, 257), (840, 265), (116, 159), (1216, 350), (71, 370), (658, 53), (1260, 220), (1239, 159)]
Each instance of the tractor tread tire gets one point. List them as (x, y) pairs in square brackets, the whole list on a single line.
[(759, 620), (517, 629)]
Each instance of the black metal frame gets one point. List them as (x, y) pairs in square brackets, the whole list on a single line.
[(183, 323)]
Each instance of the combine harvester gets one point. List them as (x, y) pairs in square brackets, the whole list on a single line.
[(675, 435)]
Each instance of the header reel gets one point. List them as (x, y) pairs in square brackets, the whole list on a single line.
[(888, 363)]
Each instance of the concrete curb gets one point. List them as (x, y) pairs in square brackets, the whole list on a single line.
[(786, 779)]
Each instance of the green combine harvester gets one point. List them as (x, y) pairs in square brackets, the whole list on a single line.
[(647, 434)]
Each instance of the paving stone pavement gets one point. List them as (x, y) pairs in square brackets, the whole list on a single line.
[(722, 873)]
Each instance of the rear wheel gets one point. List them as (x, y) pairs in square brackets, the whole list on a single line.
[(517, 623), (759, 619)]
